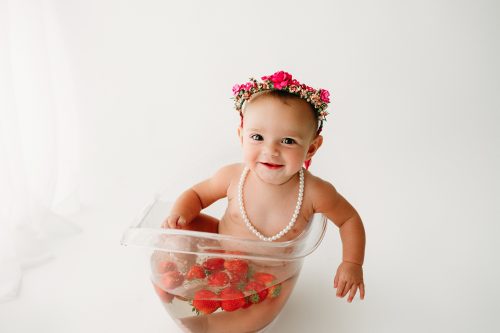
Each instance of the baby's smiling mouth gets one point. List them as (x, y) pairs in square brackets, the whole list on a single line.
[(272, 165)]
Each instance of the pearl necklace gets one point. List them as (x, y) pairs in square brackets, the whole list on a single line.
[(292, 220)]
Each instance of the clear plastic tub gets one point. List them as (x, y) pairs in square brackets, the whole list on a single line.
[(218, 283)]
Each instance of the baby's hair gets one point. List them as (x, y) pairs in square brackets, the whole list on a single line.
[(283, 96)]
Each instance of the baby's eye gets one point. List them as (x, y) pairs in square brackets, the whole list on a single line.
[(288, 141), (256, 137)]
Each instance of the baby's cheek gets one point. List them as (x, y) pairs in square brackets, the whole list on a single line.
[(249, 154)]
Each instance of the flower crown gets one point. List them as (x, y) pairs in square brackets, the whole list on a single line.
[(281, 80)]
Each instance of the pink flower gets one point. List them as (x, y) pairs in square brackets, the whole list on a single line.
[(325, 95), (236, 89), (306, 87), (279, 79), (248, 85)]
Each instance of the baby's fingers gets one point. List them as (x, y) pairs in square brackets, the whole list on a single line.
[(166, 223), (341, 287), (362, 290), (347, 287), (174, 221), (352, 293)]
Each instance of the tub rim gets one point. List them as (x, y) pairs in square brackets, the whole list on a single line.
[(141, 236)]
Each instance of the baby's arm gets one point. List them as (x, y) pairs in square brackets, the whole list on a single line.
[(349, 275), (190, 203)]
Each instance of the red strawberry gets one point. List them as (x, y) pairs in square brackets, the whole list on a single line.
[(264, 278), (214, 264), (165, 266), (258, 291), (232, 299), (172, 279), (236, 266), (236, 280), (247, 303), (218, 279), (195, 272), (164, 296), (275, 290), (205, 301)]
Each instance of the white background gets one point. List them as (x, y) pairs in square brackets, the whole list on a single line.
[(412, 141)]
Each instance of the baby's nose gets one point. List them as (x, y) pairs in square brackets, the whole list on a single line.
[(272, 149)]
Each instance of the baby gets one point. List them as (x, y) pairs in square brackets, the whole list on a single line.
[(270, 195)]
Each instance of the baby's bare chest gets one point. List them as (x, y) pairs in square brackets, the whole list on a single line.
[(269, 212)]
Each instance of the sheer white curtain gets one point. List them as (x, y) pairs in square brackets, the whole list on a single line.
[(38, 139)]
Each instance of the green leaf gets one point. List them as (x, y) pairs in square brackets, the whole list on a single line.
[(254, 298), (276, 291)]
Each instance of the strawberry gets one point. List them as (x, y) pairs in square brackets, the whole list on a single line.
[(214, 264), (164, 296), (247, 304), (218, 279), (236, 280), (172, 279), (275, 290), (264, 278), (236, 266), (165, 266), (232, 299), (258, 291), (195, 272), (205, 301)]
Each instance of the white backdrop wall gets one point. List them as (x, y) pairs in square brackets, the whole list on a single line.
[(412, 141)]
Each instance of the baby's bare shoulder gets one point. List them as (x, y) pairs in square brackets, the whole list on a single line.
[(318, 186), (321, 192), (218, 184), (230, 170), (228, 173)]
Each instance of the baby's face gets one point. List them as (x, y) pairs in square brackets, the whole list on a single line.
[(277, 138)]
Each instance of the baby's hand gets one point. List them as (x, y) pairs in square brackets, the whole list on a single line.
[(174, 221), (348, 279)]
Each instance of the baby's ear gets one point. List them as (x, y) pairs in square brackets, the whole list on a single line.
[(314, 146)]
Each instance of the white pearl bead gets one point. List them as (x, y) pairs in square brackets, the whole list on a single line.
[(292, 220)]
